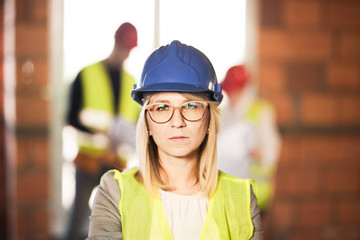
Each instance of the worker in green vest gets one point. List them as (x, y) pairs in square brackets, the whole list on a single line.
[(104, 116), (177, 191), (250, 123)]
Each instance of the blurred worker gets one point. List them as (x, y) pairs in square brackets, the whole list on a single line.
[(249, 140), (104, 115)]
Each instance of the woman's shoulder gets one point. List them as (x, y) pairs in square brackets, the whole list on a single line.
[(109, 177), (227, 177), (115, 175), (126, 177), (229, 180)]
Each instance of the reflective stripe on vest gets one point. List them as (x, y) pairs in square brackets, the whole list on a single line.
[(228, 214)]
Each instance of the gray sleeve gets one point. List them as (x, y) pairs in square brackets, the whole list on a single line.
[(256, 218), (105, 219)]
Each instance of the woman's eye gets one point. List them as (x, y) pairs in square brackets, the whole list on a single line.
[(162, 107), (191, 105)]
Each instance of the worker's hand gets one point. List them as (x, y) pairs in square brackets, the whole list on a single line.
[(256, 155)]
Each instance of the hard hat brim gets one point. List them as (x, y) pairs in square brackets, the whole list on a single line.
[(137, 94)]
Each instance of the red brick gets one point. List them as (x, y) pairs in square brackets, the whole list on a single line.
[(304, 76), (343, 15), (38, 78), (297, 181), (343, 180), (319, 110), (29, 187), (33, 186), (282, 215), (31, 40), (32, 110), (350, 46), (334, 151), (343, 77), (290, 150), (295, 45), (335, 232), (349, 150), (319, 150), (315, 213), (302, 234), (21, 223), (272, 78), (283, 104), (349, 232), (33, 220), (349, 212), (32, 152), (32, 10), (294, 12), (41, 221), (270, 13), (349, 111)]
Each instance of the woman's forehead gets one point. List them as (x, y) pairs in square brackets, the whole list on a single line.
[(185, 96), (169, 97)]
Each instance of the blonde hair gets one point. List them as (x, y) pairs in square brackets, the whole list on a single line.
[(206, 169)]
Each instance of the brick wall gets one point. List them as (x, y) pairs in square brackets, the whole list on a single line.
[(28, 206), (2, 142), (309, 54)]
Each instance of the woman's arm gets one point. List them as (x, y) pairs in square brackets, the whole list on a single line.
[(105, 219), (256, 218), (75, 104)]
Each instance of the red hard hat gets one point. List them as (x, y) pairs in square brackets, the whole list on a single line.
[(236, 78), (126, 34)]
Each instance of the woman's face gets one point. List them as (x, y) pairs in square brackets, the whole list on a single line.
[(178, 137)]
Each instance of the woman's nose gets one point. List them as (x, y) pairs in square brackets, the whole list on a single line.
[(177, 119)]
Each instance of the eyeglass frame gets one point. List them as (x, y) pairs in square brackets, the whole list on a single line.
[(206, 106)]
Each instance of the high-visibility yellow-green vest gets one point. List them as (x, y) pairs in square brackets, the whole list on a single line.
[(254, 113), (262, 174), (98, 98), (228, 214), (97, 93)]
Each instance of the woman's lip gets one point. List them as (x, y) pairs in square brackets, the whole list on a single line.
[(178, 138)]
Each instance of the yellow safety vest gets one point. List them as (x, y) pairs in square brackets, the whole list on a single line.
[(98, 98), (253, 115), (228, 214), (263, 175)]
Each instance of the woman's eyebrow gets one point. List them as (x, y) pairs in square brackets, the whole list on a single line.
[(167, 101), (161, 101)]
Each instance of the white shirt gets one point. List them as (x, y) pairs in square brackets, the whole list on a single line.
[(235, 143), (185, 214)]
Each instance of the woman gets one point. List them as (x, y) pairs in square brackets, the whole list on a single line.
[(177, 192)]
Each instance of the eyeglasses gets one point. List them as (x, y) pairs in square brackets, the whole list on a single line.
[(162, 112)]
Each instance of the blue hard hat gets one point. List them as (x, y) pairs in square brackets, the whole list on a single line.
[(178, 68)]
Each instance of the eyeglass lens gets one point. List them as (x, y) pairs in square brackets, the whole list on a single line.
[(162, 112)]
